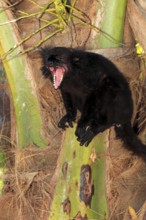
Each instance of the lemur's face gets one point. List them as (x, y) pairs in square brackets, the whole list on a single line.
[(56, 60)]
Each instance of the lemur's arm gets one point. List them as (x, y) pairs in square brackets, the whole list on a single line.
[(71, 110), (91, 122)]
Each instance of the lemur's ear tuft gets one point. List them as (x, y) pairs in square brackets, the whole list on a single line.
[(44, 50)]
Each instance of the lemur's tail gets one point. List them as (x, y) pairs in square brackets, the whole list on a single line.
[(131, 141)]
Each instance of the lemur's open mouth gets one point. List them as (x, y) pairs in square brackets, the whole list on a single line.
[(58, 73)]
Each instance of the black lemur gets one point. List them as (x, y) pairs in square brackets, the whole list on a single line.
[(93, 85)]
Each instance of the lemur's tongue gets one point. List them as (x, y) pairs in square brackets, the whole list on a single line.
[(58, 73)]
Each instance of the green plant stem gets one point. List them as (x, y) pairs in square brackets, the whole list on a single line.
[(19, 75), (113, 24), (69, 180)]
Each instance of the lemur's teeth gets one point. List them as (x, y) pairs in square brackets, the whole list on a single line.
[(61, 78), (54, 77), (56, 80)]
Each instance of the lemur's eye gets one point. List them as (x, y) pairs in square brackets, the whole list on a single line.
[(52, 57), (76, 59)]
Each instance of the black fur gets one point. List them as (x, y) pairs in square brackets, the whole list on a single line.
[(93, 85)]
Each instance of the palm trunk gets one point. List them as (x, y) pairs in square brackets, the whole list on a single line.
[(80, 183), (70, 198)]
